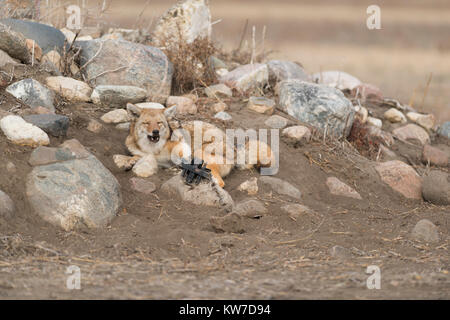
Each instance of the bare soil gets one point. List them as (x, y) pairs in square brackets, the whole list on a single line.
[(161, 248)]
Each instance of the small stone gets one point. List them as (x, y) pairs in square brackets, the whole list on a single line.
[(367, 92), (444, 130), (276, 122), (436, 188), (53, 124), (393, 115), (32, 93), (401, 178), (340, 252), (231, 223), (362, 114), (434, 156), (94, 126), (116, 116), (426, 121), (184, 105), (253, 209), (123, 126), (142, 185), (246, 77), (374, 122), (23, 133), (219, 107), (412, 132), (53, 58), (218, 91), (295, 211), (34, 49), (299, 135), (261, 105), (11, 167), (117, 96), (425, 231), (339, 188), (224, 116), (281, 187), (249, 186), (7, 207)]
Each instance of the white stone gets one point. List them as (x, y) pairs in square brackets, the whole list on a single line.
[(249, 186), (426, 121), (375, 122), (70, 89), (116, 116), (394, 116), (23, 133), (297, 133)]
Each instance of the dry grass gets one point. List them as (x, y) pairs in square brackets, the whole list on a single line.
[(191, 64)]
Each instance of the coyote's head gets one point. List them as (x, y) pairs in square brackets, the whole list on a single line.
[(151, 129)]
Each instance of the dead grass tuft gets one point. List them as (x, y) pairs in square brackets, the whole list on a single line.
[(191, 63), (361, 139)]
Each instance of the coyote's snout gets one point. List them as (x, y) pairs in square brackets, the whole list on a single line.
[(153, 143)]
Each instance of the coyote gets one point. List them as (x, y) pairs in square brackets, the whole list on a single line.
[(154, 143)]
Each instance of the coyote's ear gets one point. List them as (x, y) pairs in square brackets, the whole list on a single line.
[(170, 112), (133, 109)]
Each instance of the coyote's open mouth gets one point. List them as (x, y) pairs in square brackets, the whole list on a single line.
[(154, 138)]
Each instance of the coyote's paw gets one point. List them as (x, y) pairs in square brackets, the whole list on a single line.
[(146, 167), (124, 162)]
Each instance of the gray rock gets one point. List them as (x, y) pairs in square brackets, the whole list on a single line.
[(144, 66), (285, 70), (318, 105), (222, 115), (425, 231), (231, 223), (216, 64), (444, 130), (32, 93), (204, 194), (5, 59), (74, 193), (276, 122), (7, 207), (142, 185), (280, 186), (118, 95), (54, 124), (14, 44), (48, 38), (218, 90), (251, 209), (436, 187)]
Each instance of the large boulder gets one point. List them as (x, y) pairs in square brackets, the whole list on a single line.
[(318, 105), (120, 62), (14, 44), (32, 93), (187, 21), (118, 95), (74, 193), (48, 38)]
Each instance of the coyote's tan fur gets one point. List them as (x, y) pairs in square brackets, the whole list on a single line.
[(152, 141)]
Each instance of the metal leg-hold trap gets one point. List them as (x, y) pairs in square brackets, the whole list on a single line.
[(195, 171)]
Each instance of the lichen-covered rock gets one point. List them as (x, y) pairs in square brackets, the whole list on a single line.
[(32, 93), (74, 193), (318, 105)]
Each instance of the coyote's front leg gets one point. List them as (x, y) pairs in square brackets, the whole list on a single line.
[(125, 162), (146, 166)]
